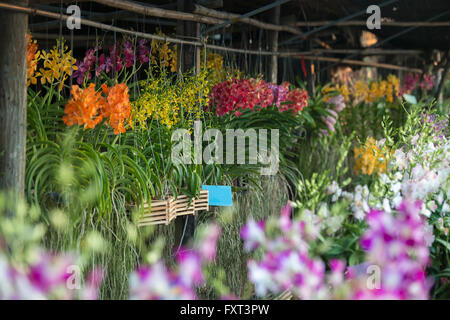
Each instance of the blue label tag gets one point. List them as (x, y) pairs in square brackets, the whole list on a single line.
[(219, 195)]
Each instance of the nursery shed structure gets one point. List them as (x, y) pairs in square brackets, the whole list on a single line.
[(414, 36)]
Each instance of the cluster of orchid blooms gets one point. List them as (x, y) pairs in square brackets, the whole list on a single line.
[(440, 126), (396, 241), (54, 276), (88, 107), (397, 245), (156, 281), (335, 105), (418, 170), (236, 95), (412, 82), (120, 56), (48, 276)]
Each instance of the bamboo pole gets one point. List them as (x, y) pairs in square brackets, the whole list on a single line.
[(158, 12), (362, 52), (332, 23), (368, 52), (362, 23), (198, 9), (200, 14), (392, 37), (196, 43), (94, 16), (94, 24), (101, 17), (363, 63)]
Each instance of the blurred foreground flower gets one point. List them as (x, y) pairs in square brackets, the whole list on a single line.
[(396, 245), (159, 282), (49, 276)]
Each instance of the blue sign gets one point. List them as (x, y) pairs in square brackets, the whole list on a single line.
[(219, 196)]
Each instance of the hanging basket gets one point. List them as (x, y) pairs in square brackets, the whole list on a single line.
[(202, 202), (164, 211), (182, 207), (155, 213)]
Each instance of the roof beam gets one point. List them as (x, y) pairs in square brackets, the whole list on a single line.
[(246, 15), (361, 23), (295, 55), (158, 12), (332, 23), (363, 63), (394, 36), (250, 21), (368, 52)]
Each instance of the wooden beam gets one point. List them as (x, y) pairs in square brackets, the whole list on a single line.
[(213, 4), (22, 9), (78, 41), (362, 23), (198, 9), (349, 17), (83, 21), (249, 14), (363, 63), (368, 52), (56, 1), (13, 97), (200, 14), (158, 12), (101, 17)]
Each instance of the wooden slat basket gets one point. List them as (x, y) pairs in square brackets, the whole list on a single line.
[(164, 211)]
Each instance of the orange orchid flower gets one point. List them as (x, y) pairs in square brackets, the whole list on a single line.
[(117, 108), (84, 108)]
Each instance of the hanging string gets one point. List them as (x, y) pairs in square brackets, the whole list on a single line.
[(165, 190), (260, 50), (134, 87), (61, 45), (97, 49), (71, 49)]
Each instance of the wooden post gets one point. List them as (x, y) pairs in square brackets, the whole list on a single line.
[(13, 97), (273, 43), (439, 92)]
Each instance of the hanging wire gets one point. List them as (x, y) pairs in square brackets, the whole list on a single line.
[(134, 87), (61, 47), (259, 66)]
